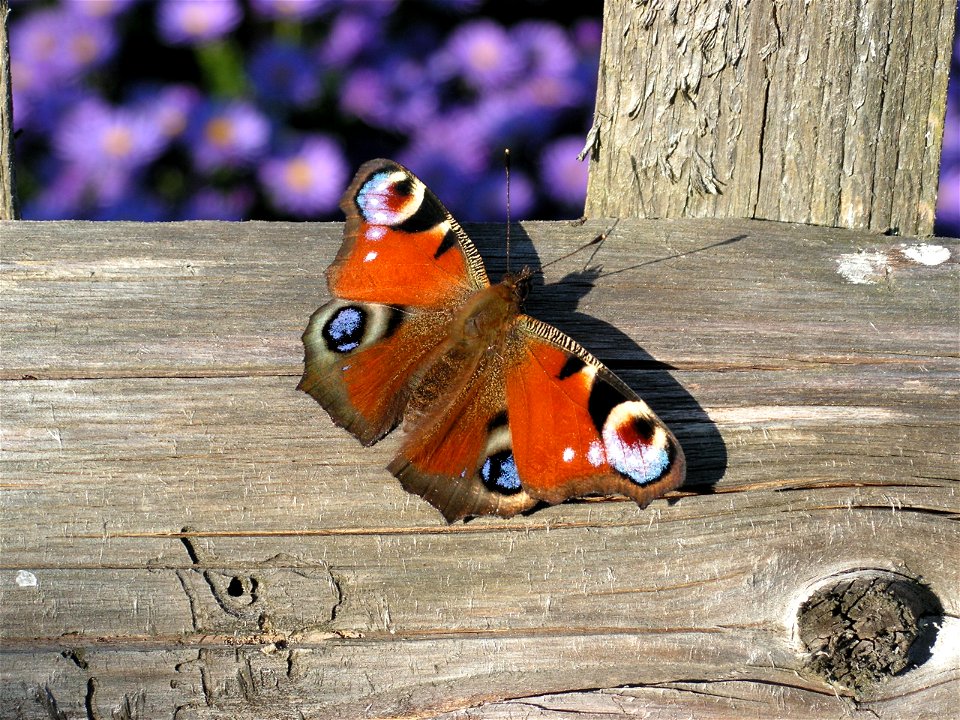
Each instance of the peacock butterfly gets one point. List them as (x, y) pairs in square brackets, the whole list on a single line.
[(500, 411)]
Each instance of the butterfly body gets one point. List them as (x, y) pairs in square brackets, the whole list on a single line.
[(500, 411)]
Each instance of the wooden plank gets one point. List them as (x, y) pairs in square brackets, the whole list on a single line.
[(86, 300), (823, 113), (186, 535)]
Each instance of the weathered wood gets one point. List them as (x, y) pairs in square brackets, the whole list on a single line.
[(186, 535), (826, 113), (8, 193)]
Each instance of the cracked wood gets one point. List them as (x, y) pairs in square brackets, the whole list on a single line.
[(198, 541)]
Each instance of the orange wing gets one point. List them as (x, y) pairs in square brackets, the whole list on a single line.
[(403, 269), (577, 429), (401, 246)]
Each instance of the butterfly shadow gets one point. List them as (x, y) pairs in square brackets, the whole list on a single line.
[(557, 303)]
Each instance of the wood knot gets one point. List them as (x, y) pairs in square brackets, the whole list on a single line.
[(861, 627)]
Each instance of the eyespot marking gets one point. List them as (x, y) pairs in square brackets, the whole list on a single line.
[(634, 445), (389, 198), (497, 420), (499, 473), (344, 330)]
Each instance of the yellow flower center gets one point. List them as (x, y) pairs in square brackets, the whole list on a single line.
[(219, 131), (484, 55), (118, 142), (299, 174), (195, 20), (84, 48)]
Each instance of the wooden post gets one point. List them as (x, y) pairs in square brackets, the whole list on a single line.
[(828, 113), (8, 191)]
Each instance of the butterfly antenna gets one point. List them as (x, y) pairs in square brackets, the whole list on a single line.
[(506, 167)]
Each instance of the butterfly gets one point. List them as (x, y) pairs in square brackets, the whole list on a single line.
[(500, 411)]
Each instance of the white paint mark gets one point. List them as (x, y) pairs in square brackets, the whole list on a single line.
[(372, 255), (926, 254), (26, 579), (863, 268), (568, 454)]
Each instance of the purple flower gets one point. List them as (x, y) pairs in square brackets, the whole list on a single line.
[(394, 97), (515, 117), (284, 74), (135, 204), (547, 47), (171, 107), (290, 9), (102, 138), (210, 204), (460, 135), (62, 196), (181, 22), (489, 202), (99, 8), (54, 45), (104, 148), (587, 34), (483, 54), (227, 136), (308, 182), (351, 33), (563, 177)]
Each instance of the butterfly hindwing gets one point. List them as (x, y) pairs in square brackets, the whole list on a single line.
[(459, 457)]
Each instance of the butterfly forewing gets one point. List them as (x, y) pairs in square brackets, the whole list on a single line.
[(577, 429), (401, 246)]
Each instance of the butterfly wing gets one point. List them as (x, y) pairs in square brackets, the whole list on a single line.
[(538, 420), (401, 246), (403, 269), (458, 457), (577, 429)]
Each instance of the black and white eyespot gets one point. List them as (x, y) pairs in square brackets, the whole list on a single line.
[(498, 471), (631, 441), (396, 199), (341, 327), (634, 444), (389, 197)]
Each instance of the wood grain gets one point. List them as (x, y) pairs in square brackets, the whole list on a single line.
[(186, 535), (825, 113)]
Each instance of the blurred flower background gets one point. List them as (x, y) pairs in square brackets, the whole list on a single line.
[(239, 109), (948, 199)]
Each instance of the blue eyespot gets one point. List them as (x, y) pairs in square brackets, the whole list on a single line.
[(499, 473), (344, 330)]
